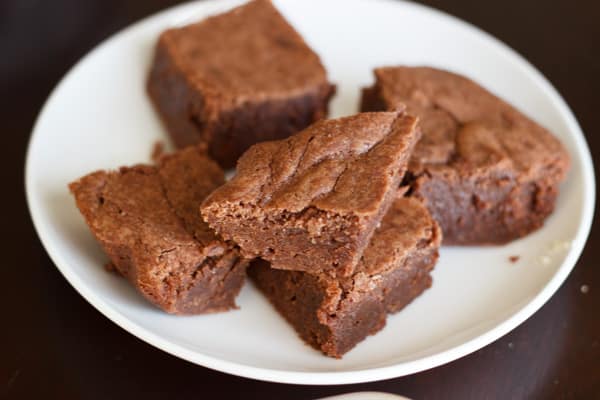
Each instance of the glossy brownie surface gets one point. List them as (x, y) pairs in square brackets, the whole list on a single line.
[(146, 219), (487, 172), (311, 202), (334, 314)]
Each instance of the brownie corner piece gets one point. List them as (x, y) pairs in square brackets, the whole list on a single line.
[(146, 220), (235, 79), (487, 172), (312, 201), (333, 314)]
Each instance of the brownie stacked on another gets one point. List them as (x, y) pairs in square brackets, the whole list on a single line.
[(487, 173), (146, 218), (334, 314), (236, 79), (311, 202)]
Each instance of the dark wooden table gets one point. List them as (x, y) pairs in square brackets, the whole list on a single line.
[(53, 344)]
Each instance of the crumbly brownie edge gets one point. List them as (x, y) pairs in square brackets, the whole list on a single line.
[(215, 285), (217, 279)]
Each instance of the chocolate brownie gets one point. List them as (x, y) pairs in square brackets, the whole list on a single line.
[(146, 218), (334, 314), (312, 201), (236, 79), (487, 172)]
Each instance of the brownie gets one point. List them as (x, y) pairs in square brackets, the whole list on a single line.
[(312, 201), (334, 314), (146, 218), (236, 79), (487, 172)]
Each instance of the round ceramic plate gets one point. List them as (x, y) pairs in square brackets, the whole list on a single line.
[(99, 117)]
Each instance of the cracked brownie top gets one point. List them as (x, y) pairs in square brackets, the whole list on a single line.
[(465, 126), (343, 166)]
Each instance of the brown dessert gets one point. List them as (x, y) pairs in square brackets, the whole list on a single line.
[(236, 79), (312, 201), (334, 314), (146, 218), (487, 173)]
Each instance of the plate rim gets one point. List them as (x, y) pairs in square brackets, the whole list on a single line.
[(335, 377)]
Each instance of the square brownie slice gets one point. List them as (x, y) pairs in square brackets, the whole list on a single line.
[(146, 219), (236, 79), (334, 314), (487, 172), (312, 201)]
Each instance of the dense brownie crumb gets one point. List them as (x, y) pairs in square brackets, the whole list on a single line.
[(334, 314), (236, 79), (311, 202), (146, 219), (487, 173)]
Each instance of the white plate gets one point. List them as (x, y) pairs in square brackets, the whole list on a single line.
[(99, 117)]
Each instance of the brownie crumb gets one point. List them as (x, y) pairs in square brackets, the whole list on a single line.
[(158, 151), (514, 259), (110, 267)]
